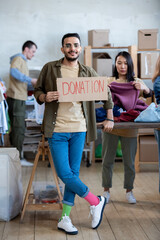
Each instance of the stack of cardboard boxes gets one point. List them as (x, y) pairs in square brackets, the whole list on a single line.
[(147, 43)]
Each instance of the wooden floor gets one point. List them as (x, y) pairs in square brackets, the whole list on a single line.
[(121, 221)]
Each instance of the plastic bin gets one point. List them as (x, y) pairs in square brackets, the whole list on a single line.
[(46, 192)]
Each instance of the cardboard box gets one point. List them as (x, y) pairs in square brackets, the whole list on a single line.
[(146, 131), (147, 38), (148, 149), (81, 89), (98, 38), (146, 64), (102, 64)]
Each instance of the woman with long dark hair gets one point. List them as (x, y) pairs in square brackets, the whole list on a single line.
[(128, 89)]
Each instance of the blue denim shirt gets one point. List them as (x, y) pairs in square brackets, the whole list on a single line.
[(156, 88)]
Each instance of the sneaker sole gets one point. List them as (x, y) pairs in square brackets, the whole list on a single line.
[(131, 202), (70, 233), (101, 214)]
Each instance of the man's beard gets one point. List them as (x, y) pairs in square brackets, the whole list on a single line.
[(71, 59)]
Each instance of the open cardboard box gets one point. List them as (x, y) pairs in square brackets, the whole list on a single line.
[(102, 64)]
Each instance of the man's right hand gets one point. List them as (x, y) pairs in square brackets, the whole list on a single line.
[(33, 81)]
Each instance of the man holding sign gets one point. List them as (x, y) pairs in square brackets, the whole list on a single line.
[(65, 124)]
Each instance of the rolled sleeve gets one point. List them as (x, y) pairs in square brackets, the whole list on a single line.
[(109, 103), (39, 88)]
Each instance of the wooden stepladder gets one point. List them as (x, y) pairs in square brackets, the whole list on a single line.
[(29, 200)]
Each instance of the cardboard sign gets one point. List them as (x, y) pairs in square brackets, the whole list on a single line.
[(82, 89)]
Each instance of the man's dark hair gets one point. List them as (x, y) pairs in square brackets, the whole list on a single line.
[(28, 44), (130, 70), (70, 35)]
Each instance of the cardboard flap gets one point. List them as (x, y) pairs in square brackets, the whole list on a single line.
[(101, 30), (148, 31), (101, 55)]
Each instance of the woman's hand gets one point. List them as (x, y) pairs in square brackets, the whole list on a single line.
[(108, 126), (140, 86)]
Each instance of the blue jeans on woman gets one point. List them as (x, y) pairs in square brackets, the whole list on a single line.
[(66, 150)]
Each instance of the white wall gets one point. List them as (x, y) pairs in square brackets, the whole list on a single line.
[(46, 21)]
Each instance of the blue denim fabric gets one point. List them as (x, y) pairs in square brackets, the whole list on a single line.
[(156, 88), (157, 135), (150, 114), (66, 150), (20, 76)]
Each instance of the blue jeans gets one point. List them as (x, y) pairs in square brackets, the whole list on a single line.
[(157, 135), (66, 150)]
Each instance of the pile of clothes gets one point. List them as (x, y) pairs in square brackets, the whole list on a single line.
[(127, 105)]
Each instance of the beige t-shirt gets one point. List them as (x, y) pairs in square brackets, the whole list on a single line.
[(70, 117)]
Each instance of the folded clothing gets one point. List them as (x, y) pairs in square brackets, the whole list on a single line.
[(127, 116)]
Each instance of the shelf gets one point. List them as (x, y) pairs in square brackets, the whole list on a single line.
[(148, 50), (131, 49), (107, 47)]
